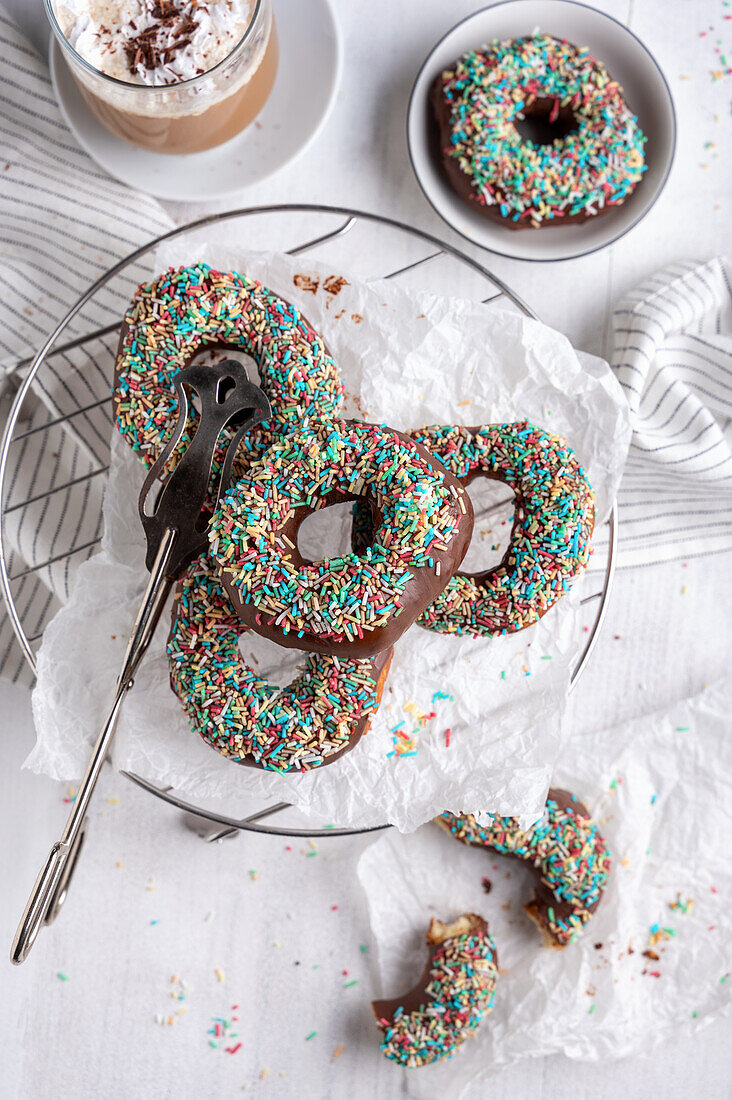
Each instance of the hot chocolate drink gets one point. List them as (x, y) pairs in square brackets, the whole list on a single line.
[(176, 76)]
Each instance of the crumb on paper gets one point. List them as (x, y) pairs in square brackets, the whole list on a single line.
[(309, 283), (333, 284)]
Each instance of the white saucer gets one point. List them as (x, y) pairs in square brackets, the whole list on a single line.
[(304, 91), (629, 62)]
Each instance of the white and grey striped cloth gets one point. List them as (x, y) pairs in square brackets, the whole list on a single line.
[(673, 356), (63, 222)]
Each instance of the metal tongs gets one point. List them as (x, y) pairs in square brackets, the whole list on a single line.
[(175, 520)]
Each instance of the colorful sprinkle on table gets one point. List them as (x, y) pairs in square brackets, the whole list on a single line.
[(680, 905), (222, 1031)]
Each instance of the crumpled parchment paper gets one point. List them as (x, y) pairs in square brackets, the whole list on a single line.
[(660, 787), (407, 359)]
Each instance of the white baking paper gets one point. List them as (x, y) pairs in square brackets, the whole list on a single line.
[(661, 790), (407, 359)]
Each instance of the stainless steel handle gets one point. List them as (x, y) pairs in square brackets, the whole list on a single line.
[(51, 886)]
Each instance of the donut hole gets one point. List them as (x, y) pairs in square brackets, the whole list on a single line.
[(494, 505), (269, 660), (543, 124), (326, 533)]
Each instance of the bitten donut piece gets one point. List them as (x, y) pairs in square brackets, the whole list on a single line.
[(554, 515), (313, 721), (592, 165), (566, 851), (189, 309), (449, 1002), (357, 604)]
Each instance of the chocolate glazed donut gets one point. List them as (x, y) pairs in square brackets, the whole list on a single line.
[(586, 158), (448, 1003), (190, 310), (440, 134), (317, 718), (566, 851), (550, 535), (426, 572)]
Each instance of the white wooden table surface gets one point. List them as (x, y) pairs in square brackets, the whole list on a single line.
[(140, 910)]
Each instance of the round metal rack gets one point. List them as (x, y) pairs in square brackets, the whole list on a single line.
[(367, 244)]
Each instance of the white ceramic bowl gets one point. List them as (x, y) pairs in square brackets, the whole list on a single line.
[(628, 61), (310, 59)]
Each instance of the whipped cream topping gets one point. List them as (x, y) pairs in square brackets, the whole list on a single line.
[(153, 41)]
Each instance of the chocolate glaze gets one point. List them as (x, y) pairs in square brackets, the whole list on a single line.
[(419, 594), (440, 141)]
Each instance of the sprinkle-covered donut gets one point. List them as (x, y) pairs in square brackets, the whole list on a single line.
[(320, 716), (566, 851), (449, 1002), (594, 162), (356, 604), (550, 540), (189, 309)]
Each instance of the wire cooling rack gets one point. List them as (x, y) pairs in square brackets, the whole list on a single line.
[(366, 244)]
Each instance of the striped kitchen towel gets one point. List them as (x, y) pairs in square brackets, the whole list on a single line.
[(673, 356), (63, 222)]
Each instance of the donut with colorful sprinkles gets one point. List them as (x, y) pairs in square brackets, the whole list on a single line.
[(554, 516), (588, 160), (567, 853), (356, 604), (313, 721), (451, 999), (190, 309)]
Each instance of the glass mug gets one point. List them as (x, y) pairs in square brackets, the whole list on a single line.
[(190, 115)]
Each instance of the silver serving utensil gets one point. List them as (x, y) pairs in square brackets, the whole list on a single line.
[(175, 521)]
